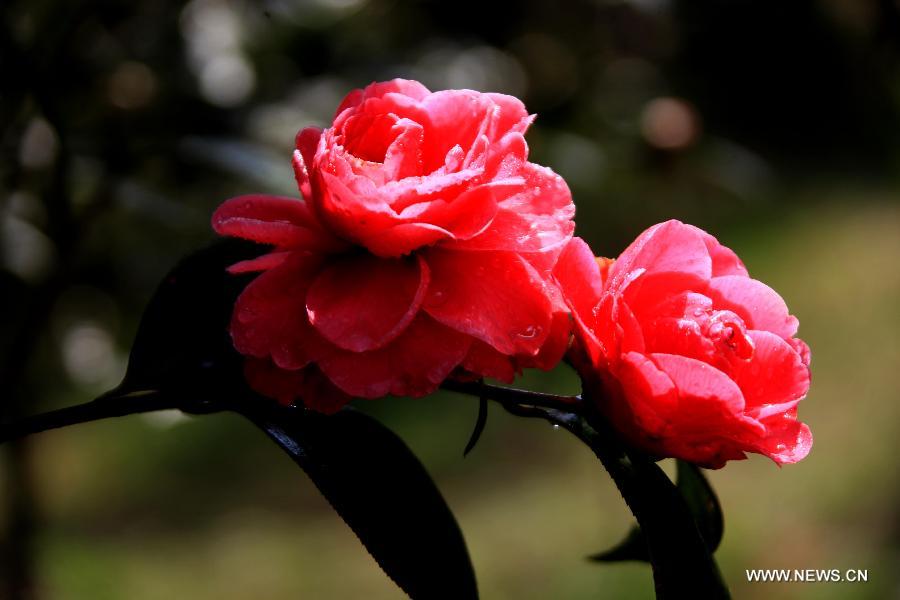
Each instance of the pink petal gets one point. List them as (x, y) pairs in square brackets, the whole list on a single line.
[(496, 297), (455, 117), (628, 330), (306, 142), (279, 384), (700, 385), (285, 222), (683, 337), (308, 385), (485, 361), (647, 290), (788, 440), (403, 194), (318, 392), (650, 395), (414, 364), (402, 239), (503, 158), (368, 219), (367, 136), (509, 113), (755, 302), (468, 215), (261, 263), (802, 349), (405, 87), (269, 318), (670, 247), (537, 218), (724, 260), (404, 155), (774, 379), (554, 347), (395, 235), (578, 277), (362, 303)]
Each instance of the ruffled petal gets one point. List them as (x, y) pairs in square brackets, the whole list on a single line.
[(284, 222), (509, 114), (363, 302), (260, 263), (368, 219), (537, 218), (403, 157), (403, 87), (788, 440), (267, 379), (308, 385), (414, 364), (702, 389), (724, 260), (774, 379), (269, 318), (483, 360), (554, 347), (756, 303), (496, 297), (579, 279), (306, 143), (684, 337), (402, 239), (671, 248), (467, 214), (651, 397), (456, 117), (318, 392)]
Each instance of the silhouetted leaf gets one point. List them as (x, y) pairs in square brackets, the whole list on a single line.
[(383, 492), (182, 345), (183, 351), (683, 566), (633, 547), (701, 501), (480, 422)]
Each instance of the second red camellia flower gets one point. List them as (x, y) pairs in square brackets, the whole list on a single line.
[(423, 245), (687, 356)]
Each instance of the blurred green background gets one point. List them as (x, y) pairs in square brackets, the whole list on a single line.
[(774, 125)]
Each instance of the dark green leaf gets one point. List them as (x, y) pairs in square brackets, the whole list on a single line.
[(683, 566), (480, 422), (182, 345), (183, 350), (383, 492), (633, 547), (701, 501)]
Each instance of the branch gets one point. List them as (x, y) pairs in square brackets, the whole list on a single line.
[(513, 396), (104, 407)]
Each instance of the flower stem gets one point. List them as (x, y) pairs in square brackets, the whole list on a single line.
[(106, 406), (513, 396)]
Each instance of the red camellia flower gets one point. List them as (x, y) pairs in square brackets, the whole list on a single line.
[(423, 246), (687, 355)]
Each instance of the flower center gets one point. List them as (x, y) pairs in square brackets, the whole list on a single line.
[(368, 137), (727, 330)]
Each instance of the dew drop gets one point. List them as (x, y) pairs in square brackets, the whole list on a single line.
[(530, 332)]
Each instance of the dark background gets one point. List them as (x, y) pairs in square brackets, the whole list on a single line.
[(772, 124)]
